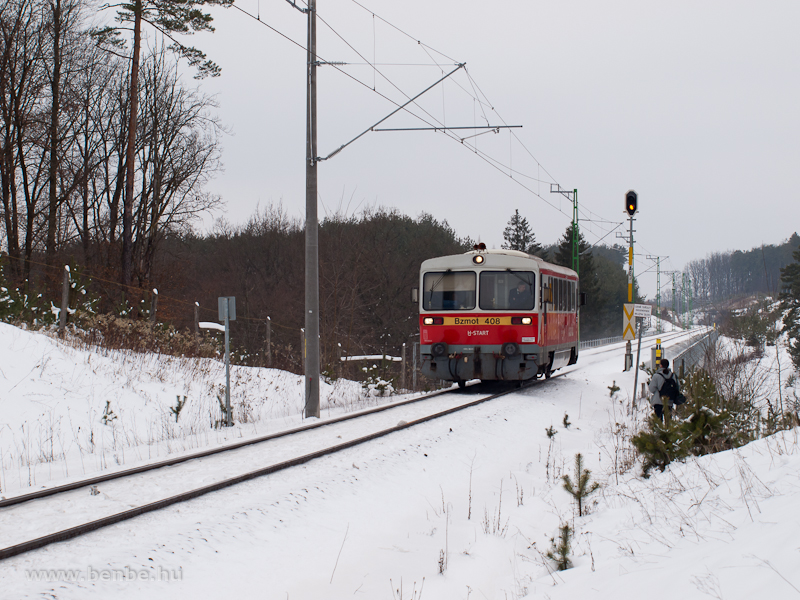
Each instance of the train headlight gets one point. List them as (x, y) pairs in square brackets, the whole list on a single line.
[(478, 259), (527, 320), (521, 320), (433, 320), (427, 321)]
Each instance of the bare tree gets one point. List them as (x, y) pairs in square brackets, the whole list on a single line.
[(169, 18), (179, 153), (22, 172)]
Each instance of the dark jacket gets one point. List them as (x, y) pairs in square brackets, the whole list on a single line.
[(520, 300)]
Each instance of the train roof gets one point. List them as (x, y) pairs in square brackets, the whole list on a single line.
[(494, 259)]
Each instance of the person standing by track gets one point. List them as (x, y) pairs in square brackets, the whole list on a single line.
[(661, 387)]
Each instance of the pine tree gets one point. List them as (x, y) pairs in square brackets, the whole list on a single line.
[(790, 305), (581, 488), (518, 236), (658, 445), (562, 255), (559, 552), (563, 252)]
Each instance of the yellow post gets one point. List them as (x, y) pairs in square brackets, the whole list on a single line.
[(630, 273)]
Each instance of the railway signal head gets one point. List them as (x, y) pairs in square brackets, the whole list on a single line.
[(631, 203)]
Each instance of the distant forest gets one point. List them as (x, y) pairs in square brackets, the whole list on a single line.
[(725, 276), (368, 265)]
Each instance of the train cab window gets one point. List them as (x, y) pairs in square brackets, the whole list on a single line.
[(451, 290), (507, 290)]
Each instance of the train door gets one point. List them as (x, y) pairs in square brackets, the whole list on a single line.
[(544, 301)]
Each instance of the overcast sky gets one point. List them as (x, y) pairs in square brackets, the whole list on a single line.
[(692, 104)]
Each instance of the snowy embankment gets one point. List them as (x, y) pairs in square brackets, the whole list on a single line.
[(464, 508), (69, 412)]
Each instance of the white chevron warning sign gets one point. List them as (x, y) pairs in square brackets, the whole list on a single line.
[(628, 323)]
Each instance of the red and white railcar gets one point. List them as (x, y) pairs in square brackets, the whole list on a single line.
[(496, 315)]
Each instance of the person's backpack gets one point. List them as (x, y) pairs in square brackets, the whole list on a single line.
[(669, 389)]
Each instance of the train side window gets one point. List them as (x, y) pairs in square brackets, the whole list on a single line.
[(559, 294), (571, 306), (574, 296)]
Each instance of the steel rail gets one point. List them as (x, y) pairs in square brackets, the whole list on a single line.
[(85, 528), (42, 493), (50, 491)]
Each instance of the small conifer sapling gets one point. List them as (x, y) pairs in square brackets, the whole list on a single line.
[(583, 486), (559, 552)]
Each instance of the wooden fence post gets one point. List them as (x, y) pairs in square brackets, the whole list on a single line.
[(269, 342), (154, 306), (62, 317)]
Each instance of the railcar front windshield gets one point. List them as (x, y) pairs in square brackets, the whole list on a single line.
[(507, 290), (449, 290)]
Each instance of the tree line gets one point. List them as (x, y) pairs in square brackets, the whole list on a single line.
[(368, 264), (723, 276), (93, 165)]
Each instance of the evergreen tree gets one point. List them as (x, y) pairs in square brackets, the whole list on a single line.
[(581, 487), (559, 552), (562, 255), (518, 236), (790, 304), (563, 252)]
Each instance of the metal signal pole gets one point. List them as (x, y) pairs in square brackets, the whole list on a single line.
[(573, 196), (658, 287), (311, 343), (311, 349), (631, 208), (675, 300)]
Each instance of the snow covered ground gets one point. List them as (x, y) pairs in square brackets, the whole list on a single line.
[(461, 508)]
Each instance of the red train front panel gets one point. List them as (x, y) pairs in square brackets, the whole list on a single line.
[(481, 329), (488, 346)]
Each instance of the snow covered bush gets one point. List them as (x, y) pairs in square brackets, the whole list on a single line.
[(375, 384)]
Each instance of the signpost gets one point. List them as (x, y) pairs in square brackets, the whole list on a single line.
[(630, 312), (640, 311), (227, 313)]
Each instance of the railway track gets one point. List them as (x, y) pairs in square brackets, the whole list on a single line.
[(172, 481), (165, 483)]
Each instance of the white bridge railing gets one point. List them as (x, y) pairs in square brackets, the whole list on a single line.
[(601, 342)]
